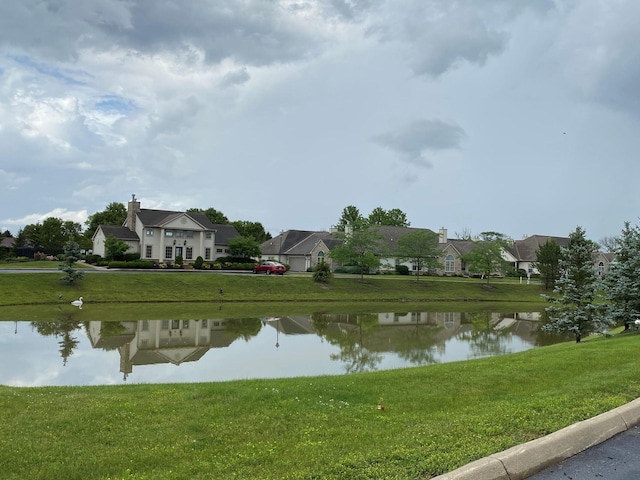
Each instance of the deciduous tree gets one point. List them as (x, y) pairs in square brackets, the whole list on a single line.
[(486, 256), (244, 247), (114, 249), (114, 214), (361, 248), (420, 248)]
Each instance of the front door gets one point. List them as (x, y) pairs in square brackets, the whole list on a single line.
[(178, 252)]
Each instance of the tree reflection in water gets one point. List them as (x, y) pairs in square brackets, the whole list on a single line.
[(62, 327)]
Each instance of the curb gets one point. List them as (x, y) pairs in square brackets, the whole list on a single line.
[(522, 461)]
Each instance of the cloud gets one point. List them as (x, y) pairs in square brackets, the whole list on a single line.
[(79, 216), (414, 141)]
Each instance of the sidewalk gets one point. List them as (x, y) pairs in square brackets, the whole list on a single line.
[(523, 461)]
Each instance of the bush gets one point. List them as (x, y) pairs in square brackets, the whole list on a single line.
[(92, 259), (179, 261), (349, 269), (137, 264), (39, 256), (402, 270), (198, 263), (131, 257), (322, 273)]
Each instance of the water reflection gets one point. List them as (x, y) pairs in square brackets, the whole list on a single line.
[(212, 349)]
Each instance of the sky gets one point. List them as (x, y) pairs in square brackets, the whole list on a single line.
[(473, 115)]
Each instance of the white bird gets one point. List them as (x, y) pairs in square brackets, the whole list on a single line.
[(77, 303)]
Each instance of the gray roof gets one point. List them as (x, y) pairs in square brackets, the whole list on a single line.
[(392, 234), (461, 246), (121, 233), (525, 250), (297, 242), (7, 242)]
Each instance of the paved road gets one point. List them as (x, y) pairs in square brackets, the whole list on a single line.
[(615, 459)]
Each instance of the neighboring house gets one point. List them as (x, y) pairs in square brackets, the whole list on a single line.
[(453, 251), (604, 262), (525, 251), (163, 235), (300, 249)]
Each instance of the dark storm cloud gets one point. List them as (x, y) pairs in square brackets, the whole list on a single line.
[(421, 137), (252, 32)]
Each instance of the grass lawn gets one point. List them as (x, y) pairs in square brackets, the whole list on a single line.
[(412, 423), (194, 286), (435, 419)]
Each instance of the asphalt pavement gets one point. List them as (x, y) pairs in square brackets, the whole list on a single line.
[(613, 459), (603, 447)]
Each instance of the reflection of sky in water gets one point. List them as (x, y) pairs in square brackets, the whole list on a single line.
[(31, 359)]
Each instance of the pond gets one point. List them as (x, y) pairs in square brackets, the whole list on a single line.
[(72, 350)]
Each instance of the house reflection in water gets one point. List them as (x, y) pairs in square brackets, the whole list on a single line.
[(151, 342)]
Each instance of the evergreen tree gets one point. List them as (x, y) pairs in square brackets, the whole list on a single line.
[(71, 256), (622, 283), (574, 308), (548, 263)]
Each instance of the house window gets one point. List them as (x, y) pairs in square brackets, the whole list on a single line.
[(189, 253), (449, 264), (175, 324), (168, 252), (145, 325), (168, 233), (320, 256), (149, 232), (218, 250), (601, 268), (190, 234), (185, 324), (207, 235), (205, 323), (165, 325), (207, 253), (148, 250), (179, 233)]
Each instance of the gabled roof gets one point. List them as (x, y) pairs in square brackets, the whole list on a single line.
[(121, 233), (158, 218), (7, 242), (462, 247), (297, 242), (224, 233), (525, 250)]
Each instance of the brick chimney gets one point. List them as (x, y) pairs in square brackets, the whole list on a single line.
[(442, 235), (133, 207)]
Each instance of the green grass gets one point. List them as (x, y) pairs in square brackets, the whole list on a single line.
[(38, 264), (121, 287), (435, 419)]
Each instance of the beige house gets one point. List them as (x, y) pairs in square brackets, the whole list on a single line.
[(300, 249), (162, 235)]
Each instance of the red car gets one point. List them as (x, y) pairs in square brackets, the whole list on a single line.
[(269, 268)]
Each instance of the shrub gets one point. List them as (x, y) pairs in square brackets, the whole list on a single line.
[(136, 264), (198, 263), (131, 257), (92, 258), (322, 273), (179, 261), (39, 256), (402, 270), (349, 269)]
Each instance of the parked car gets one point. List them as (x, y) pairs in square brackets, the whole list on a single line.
[(270, 267)]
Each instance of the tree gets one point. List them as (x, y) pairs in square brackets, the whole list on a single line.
[(71, 256), (394, 217), (114, 214), (486, 255), (254, 230), (244, 247), (420, 248), (29, 236), (548, 263), (214, 216), (52, 236), (574, 308), (114, 249), (322, 272), (360, 248), (622, 282), (350, 216)]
